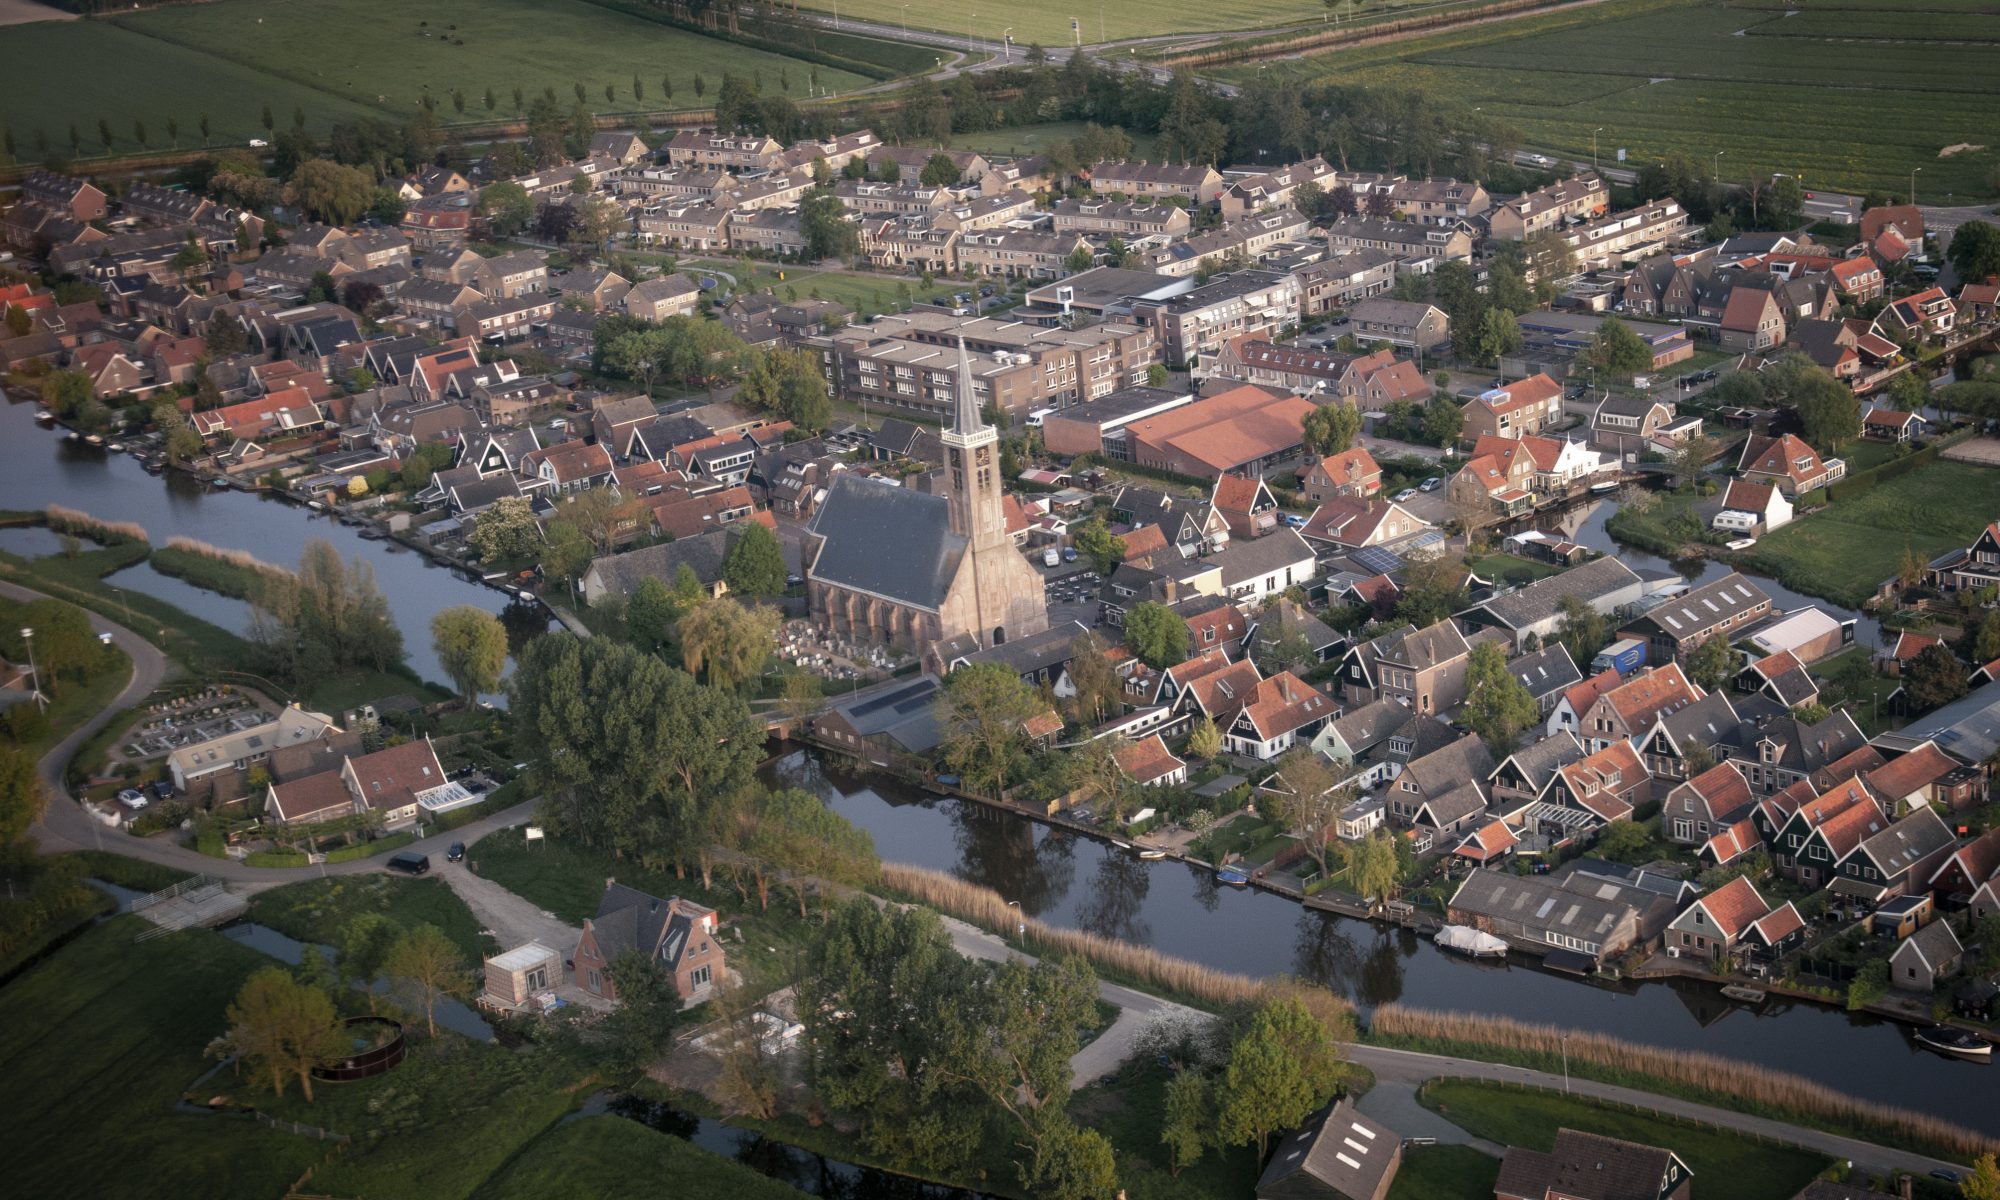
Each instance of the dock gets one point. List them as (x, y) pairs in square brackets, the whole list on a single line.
[(201, 902)]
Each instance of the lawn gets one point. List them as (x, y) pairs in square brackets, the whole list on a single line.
[(97, 1044), (1048, 21), (313, 910), (1129, 1112), (1667, 77), (367, 58), (1034, 139), (1444, 1173), (1845, 552), (1726, 1166), (568, 880), (611, 1156)]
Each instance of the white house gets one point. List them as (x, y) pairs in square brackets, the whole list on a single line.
[(1275, 714)]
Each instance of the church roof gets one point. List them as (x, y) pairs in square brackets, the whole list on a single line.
[(860, 518)]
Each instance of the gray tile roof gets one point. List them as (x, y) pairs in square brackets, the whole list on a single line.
[(1546, 671), (1338, 1149), (703, 553), (1543, 599), (887, 541)]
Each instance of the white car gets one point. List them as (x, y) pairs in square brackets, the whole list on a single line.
[(1432, 484), (1406, 494), (132, 798), (259, 144)]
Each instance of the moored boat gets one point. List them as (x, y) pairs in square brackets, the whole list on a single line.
[(95, 439), (1748, 995), (1959, 1043), (1599, 489), (1233, 876), (1473, 943), (1151, 853)]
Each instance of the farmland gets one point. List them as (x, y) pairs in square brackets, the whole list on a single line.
[(359, 58), (1047, 21), (1666, 77)]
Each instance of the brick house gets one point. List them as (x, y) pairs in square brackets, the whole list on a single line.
[(678, 934), (1752, 321), (1787, 462), (1349, 473), (1523, 407)]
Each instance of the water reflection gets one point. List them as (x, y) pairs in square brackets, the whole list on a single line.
[(1115, 905)]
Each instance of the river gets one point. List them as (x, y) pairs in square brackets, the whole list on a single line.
[(38, 467)]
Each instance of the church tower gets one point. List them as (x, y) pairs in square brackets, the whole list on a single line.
[(972, 455)]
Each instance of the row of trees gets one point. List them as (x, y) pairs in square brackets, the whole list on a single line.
[(326, 617)]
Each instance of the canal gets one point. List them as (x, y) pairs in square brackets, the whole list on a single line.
[(39, 467)]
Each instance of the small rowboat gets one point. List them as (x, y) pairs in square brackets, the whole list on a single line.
[(1747, 995), (1605, 488), (1233, 876), (1959, 1043), (1151, 853)]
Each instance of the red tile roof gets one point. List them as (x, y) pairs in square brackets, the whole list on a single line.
[(1488, 842), (1778, 924), (320, 796), (1733, 906), (1910, 773), (1724, 789), (1733, 842), (1644, 698), (1283, 703), (392, 778), (1147, 759)]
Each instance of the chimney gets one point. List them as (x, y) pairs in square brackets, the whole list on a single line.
[(609, 880)]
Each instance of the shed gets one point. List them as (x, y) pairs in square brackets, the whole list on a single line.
[(1925, 957), (513, 978), (1338, 1154)]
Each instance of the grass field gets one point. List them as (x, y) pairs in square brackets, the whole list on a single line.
[(611, 1156), (97, 1044), (358, 58), (1844, 552), (1048, 21), (1726, 1166), (313, 910), (1675, 77), (1033, 139), (1444, 1173)]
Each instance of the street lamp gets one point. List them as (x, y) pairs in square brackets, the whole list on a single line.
[(34, 675), (1020, 922), (1913, 185), (1007, 44), (1565, 1041), (1593, 146), (1718, 164), (906, 20)]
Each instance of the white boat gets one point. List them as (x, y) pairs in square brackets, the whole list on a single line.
[(1609, 485), (1959, 1043), (1463, 939), (1151, 853)]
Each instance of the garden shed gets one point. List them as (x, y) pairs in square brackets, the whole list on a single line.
[(514, 978)]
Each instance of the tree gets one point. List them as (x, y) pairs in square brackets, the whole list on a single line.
[(1498, 706), (1616, 351), (750, 1080), (1068, 1163), (1829, 412), (824, 225), (755, 564), (1934, 677), (1499, 335), (22, 800), (726, 642), (1204, 740), (1316, 799), (981, 711), (1099, 691), (471, 646), (1332, 428), (507, 532), (599, 221), (641, 1029), (1619, 841), (939, 171), (1157, 634), (1713, 663), (508, 207), (804, 695), (283, 1027), (1870, 984), (1433, 589), (331, 192), (1444, 420), (328, 615), (1080, 259), (1098, 544), (179, 439), (1983, 1182), (424, 968), (1691, 456), (796, 833), (1283, 1066), (788, 384), (1373, 865), (1907, 391), (1974, 251), (1582, 630), (1986, 643), (1185, 1120), (361, 950)]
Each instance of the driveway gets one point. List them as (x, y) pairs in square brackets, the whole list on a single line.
[(511, 920), (66, 826)]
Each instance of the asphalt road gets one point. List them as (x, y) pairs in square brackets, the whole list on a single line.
[(66, 826)]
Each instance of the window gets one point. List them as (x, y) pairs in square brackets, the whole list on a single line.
[(596, 980), (700, 976)]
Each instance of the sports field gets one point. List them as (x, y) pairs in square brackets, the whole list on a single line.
[(1852, 96), (338, 60), (1048, 21)]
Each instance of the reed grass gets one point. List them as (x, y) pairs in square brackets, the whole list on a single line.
[(1205, 986), (1700, 1075), (75, 521), (223, 554)]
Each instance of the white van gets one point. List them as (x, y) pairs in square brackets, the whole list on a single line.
[(1051, 557), (1035, 418)]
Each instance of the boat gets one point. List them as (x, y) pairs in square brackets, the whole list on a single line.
[(1151, 853), (219, 483), (72, 436), (1959, 1043), (44, 416), (95, 439), (1233, 876), (371, 534), (1748, 995), (116, 447), (1473, 943), (1608, 486)]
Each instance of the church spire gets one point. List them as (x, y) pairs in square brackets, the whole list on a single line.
[(965, 418)]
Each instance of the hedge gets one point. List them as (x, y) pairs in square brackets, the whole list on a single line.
[(395, 841), (275, 858), (1855, 485)]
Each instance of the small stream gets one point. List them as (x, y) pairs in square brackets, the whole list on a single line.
[(452, 1014)]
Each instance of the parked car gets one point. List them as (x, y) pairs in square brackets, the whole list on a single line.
[(1432, 484), (456, 853), (1405, 494), (1069, 553), (409, 863), (133, 798), (1295, 520), (1051, 556)]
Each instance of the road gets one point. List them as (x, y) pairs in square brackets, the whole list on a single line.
[(65, 825), (1406, 1068)]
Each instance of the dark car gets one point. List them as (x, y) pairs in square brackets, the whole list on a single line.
[(456, 853), (409, 863)]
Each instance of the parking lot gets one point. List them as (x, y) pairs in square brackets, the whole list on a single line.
[(1072, 591)]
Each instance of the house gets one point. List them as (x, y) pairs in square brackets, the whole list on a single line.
[(1440, 791), (1148, 763), (1752, 322), (679, 935), (1627, 711), (1780, 676), (1969, 867), (1523, 407), (1523, 776), (1589, 1166), (1898, 654), (1888, 425), (1787, 463), (1925, 776), (1977, 566), (1287, 628), (1406, 324), (1539, 914), (1549, 208), (1898, 861), (1720, 608), (1920, 317), (1350, 523), (1337, 1154), (1423, 669), (1605, 785), (1349, 473), (390, 785), (514, 979), (1819, 835), (1604, 584), (1926, 956), (1707, 804), (1624, 424), (1753, 509), (1712, 928), (1278, 712), (1197, 184), (1547, 673), (1265, 567), (244, 748)]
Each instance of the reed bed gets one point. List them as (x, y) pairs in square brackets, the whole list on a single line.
[(986, 908), (236, 558), (1755, 1089), (75, 521)]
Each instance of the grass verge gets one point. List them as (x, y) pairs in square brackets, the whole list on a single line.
[(1445, 1173), (1726, 1166), (611, 1156), (133, 873), (313, 910)]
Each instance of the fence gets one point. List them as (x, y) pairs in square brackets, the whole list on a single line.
[(190, 884), (302, 1129)]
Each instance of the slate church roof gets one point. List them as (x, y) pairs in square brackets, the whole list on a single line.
[(887, 541)]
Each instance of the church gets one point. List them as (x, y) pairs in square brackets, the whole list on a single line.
[(898, 567)]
